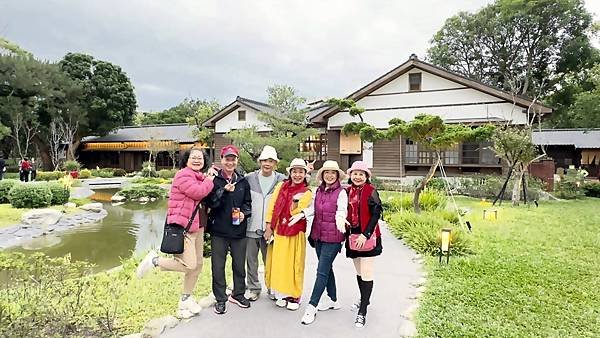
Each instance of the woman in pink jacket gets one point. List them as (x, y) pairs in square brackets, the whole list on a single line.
[(188, 189)]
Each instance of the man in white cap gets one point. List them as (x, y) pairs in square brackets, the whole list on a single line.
[(262, 183)]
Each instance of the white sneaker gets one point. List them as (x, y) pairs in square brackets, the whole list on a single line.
[(251, 295), (146, 264), (281, 302), (309, 315), (327, 304), (293, 306), (355, 306), (190, 304)]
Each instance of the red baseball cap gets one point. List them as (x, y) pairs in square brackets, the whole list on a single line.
[(230, 150)]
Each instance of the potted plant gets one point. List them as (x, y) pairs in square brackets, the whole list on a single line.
[(72, 167)]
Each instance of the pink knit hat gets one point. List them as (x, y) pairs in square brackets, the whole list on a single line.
[(359, 165)]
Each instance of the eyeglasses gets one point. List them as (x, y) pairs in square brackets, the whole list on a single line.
[(197, 158)]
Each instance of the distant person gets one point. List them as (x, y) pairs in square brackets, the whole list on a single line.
[(230, 208), (33, 171), (262, 185), (363, 240), (2, 166), (190, 186), (24, 169)]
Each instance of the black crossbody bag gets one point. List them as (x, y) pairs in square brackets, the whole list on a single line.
[(173, 236)]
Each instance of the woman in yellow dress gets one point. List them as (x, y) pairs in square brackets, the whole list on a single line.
[(284, 271)]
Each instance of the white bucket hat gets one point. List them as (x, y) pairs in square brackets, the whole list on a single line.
[(297, 163), (331, 165), (268, 152)]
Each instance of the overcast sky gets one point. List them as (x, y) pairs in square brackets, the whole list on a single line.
[(173, 49)]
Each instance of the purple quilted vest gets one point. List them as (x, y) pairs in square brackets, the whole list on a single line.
[(323, 228)]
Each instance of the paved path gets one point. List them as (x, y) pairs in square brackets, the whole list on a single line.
[(393, 295)]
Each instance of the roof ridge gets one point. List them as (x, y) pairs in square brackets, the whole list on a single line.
[(254, 101), (154, 125)]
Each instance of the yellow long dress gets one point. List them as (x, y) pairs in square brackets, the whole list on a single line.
[(284, 269)]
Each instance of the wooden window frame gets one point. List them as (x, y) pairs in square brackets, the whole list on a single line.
[(241, 115), (415, 81)]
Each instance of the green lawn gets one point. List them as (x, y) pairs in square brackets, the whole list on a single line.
[(535, 273), (10, 215)]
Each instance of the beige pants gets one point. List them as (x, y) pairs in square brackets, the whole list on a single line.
[(189, 262), (364, 267)]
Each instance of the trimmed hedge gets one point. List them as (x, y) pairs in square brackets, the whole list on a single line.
[(60, 195), (30, 195), (167, 173), (118, 172), (592, 189), (137, 191), (49, 175), (85, 173), (104, 173), (5, 186)]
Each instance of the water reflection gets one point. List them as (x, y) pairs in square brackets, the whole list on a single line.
[(129, 228)]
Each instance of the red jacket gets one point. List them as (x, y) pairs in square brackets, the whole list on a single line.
[(189, 187)]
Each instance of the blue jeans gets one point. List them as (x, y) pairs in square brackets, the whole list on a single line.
[(326, 253)]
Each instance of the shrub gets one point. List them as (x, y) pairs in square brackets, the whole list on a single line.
[(167, 173), (49, 175), (570, 185), (33, 195), (137, 191), (119, 172), (422, 233), (104, 173), (429, 200), (85, 173), (488, 186), (11, 176), (149, 169), (60, 194), (71, 165), (436, 183), (592, 189), (5, 186)]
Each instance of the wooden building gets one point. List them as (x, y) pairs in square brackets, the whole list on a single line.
[(417, 87), (129, 147)]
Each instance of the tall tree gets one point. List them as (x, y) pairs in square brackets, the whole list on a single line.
[(584, 110), (427, 130), (180, 113), (108, 98), (11, 48), (519, 45)]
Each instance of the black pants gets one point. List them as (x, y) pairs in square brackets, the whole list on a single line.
[(219, 248), (24, 175)]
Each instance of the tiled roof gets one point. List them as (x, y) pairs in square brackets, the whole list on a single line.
[(580, 138), (181, 132)]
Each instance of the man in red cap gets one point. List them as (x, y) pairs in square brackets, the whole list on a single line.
[(230, 207)]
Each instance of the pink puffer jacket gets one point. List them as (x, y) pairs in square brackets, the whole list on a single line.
[(188, 188)]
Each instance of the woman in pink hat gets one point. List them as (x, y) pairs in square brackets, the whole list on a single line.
[(363, 238)]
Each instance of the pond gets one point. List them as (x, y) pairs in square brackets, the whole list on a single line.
[(128, 229)]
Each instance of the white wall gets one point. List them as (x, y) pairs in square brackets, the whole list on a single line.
[(230, 121), (465, 103), (428, 82), (380, 119)]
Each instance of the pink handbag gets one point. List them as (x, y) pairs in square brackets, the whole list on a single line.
[(368, 246)]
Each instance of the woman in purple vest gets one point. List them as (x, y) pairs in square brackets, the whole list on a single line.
[(329, 208)]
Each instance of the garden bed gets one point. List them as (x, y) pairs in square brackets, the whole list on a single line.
[(533, 272)]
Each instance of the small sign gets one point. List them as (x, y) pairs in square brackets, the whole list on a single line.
[(350, 144)]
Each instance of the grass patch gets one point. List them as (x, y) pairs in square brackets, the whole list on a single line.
[(9, 215), (535, 272), (58, 297)]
